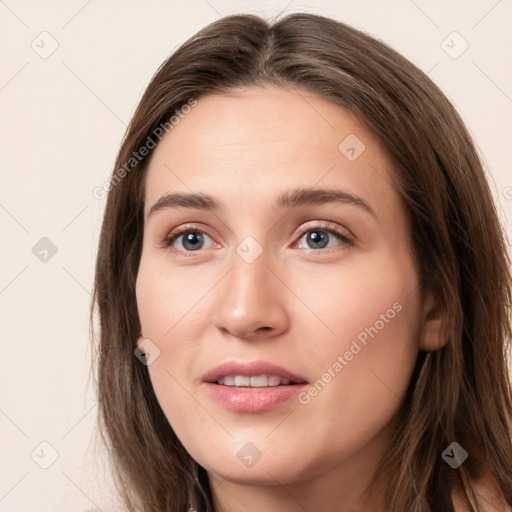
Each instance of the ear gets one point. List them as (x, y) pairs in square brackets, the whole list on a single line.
[(434, 328)]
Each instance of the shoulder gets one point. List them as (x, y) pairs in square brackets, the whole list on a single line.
[(488, 493)]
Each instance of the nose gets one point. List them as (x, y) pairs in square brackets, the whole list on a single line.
[(250, 301)]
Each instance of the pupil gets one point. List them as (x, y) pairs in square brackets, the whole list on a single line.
[(189, 239), (318, 237)]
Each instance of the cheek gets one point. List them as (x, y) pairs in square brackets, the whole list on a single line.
[(374, 371), (167, 300), (375, 302), (364, 365), (172, 314)]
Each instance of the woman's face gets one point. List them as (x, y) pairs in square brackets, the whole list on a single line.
[(277, 281)]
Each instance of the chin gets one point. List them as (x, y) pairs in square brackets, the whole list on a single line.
[(261, 474), (249, 467)]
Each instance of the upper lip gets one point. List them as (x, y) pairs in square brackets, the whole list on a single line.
[(250, 369)]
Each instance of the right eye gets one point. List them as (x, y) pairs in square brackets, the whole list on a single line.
[(190, 238)]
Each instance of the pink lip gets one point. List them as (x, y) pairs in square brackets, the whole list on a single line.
[(246, 399), (252, 399)]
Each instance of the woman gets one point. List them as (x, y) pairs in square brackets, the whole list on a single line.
[(302, 284)]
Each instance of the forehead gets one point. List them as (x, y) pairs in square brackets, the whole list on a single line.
[(258, 141)]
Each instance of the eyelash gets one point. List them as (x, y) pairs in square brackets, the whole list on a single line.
[(328, 227)]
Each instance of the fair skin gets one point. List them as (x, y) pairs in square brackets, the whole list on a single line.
[(297, 305)]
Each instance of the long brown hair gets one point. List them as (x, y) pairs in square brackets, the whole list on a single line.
[(460, 392)]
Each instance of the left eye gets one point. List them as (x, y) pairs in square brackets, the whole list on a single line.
[(318, 238)]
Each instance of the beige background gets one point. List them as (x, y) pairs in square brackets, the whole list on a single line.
[(62, 120)]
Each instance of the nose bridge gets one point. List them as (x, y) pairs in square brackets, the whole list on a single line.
[(249, 278)]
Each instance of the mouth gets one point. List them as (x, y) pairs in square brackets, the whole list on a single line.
[(256, 386), (255, 381)]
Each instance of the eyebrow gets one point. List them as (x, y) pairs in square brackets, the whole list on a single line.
[(289, 199)]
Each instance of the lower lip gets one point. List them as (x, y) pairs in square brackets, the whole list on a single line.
[(253, 399)]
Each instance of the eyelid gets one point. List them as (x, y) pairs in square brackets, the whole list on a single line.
[(328, 226), (184, 228)]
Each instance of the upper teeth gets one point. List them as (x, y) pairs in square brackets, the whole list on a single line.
[(259, 381)]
